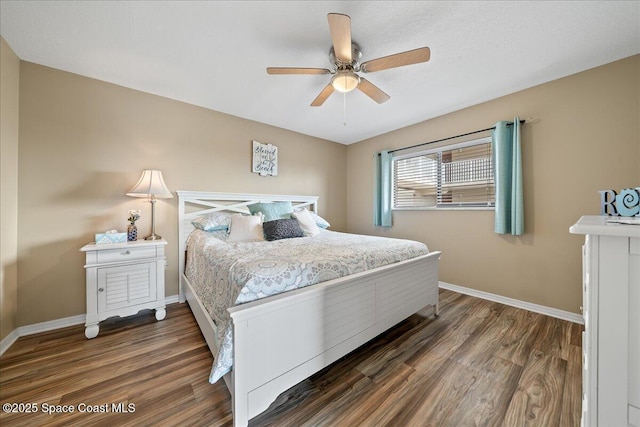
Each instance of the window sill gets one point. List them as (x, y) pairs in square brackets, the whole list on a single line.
[(448, 208)]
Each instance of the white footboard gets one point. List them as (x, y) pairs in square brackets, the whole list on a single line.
[(280, 341)]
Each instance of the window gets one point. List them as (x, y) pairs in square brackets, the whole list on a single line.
[(459, 175)]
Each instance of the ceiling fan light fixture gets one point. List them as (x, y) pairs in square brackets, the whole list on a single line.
[(345, 81), (344, 56)]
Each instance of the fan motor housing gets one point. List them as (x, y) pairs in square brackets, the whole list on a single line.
[(356, 54)]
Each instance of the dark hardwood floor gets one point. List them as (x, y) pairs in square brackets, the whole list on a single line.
[(478, 364)]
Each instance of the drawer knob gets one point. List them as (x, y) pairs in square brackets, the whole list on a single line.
[(127, 252), (100, 289)]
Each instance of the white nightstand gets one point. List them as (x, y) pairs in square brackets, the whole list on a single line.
[(122, 279)]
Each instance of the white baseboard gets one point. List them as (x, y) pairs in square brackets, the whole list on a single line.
[(36, 328), (51, 325), (171, 299), (536, 308), (8, 341)]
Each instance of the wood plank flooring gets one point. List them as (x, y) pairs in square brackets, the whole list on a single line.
[(478, 364)]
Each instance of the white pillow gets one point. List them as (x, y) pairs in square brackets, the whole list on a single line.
[(307, 223), (320, 222), (245, 228)]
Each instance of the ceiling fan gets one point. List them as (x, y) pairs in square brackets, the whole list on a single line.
[(345, 56)]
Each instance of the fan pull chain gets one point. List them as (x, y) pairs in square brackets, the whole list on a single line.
[(344, 108)]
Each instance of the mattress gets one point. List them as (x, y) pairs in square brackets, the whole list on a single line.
[(224, 274)]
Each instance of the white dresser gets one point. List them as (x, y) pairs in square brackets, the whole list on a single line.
[(611, 309), (122, 279)]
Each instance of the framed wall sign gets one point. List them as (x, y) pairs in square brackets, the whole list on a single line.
[(265, 159)]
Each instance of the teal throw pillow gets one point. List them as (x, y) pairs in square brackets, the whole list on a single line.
[(272, 211)]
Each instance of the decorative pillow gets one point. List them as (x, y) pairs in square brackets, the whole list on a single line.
[(307, 223), (320, 222), (213, 222), (282, 229), (245, 228), (220, 234), (272, 211)]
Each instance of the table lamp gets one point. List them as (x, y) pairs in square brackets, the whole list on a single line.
[(151, 185)]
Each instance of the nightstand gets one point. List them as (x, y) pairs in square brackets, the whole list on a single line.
[(122, 279)]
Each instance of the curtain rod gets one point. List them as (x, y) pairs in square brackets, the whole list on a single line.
[(454, 137)]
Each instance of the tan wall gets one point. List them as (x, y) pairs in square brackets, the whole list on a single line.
[(83, 145), (9, 99), (586, 138)]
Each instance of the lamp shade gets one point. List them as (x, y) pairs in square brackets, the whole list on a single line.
[(151, 185)]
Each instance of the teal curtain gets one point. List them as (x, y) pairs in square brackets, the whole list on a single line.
[(507, 164), (382, 189)]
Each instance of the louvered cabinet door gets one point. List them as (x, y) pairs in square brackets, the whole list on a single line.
[(126, 285)]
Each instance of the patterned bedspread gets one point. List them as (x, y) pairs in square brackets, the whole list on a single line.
[(227, 274)]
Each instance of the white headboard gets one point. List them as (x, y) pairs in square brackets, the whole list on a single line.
[(195, 203)]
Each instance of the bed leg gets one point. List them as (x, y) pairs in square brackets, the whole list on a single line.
[(436, 310)]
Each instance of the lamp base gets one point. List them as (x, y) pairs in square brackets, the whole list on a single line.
[(153, 237)]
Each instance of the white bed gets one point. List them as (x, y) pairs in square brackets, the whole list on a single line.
[(269, 359)]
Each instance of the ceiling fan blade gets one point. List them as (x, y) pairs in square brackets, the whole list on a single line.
[(340, 28), (292, 70), (398, 60), (372, 91), (324, 94)]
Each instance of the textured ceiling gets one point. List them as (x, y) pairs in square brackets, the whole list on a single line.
[(214, 54)]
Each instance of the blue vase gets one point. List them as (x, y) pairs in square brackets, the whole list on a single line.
[(132, 232)]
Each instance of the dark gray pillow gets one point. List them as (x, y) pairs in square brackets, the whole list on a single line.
[(282, 229)]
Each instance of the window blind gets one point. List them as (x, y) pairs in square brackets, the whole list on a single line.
[(459, 175)]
